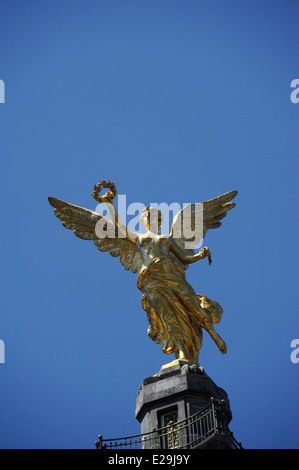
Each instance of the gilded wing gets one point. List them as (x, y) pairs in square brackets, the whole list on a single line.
[(84, 222), (191, 224)]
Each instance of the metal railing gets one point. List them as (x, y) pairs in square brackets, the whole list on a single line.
[(188, 433)]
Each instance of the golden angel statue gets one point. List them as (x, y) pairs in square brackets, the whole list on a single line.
[(176, 314)]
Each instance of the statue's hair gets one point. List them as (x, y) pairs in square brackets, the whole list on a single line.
[(147, 211)]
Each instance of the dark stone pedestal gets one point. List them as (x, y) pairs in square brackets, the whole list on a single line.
[(179, 391)]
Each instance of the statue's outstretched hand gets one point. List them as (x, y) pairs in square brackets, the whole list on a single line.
[(205, 252)]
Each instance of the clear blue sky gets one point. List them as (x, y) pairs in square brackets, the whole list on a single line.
[(175, 101)]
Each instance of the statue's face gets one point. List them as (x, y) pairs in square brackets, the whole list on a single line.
[(151, 218)]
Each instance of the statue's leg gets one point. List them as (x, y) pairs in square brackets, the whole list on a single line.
[(218, 340), (205, 320), (166, 311)]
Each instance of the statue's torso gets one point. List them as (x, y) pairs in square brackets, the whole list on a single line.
[(153, 248)]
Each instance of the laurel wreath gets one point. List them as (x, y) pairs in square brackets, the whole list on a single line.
[(109, 196)]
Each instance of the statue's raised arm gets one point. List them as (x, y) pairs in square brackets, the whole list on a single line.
[(107, 235)]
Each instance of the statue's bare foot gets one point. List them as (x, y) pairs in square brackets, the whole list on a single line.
[(182, 355), (221, 345)]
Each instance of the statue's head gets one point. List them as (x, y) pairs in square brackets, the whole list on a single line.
[(151, 218)]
